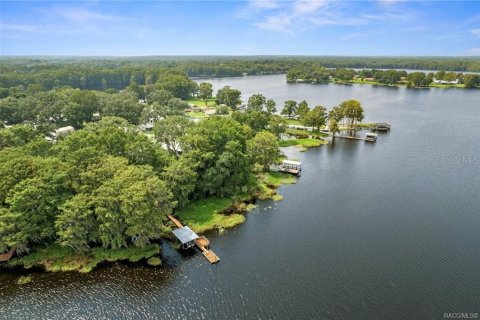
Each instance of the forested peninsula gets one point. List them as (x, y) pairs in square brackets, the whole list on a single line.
[(95, 155)]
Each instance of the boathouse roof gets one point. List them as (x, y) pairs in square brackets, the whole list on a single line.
[(185, 234), (291, 162)]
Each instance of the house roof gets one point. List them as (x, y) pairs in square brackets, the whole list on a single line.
[(65, 129), (185, 234)]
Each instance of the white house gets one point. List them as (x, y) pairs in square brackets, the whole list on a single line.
[(63, 131), (445, 81)]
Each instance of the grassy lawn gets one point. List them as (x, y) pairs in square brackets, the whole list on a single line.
[(295, 122), (270, 182), (205, 214), (305, 133), (305, 143), (56, 258), (276, 179), (196, 114), (201, 103)]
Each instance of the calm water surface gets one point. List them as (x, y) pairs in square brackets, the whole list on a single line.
[(370, 231)]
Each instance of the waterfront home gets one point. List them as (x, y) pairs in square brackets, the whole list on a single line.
[(436, 81)]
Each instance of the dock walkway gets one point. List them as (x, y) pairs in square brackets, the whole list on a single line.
[(202, 243), (350, 137), (5, 257)]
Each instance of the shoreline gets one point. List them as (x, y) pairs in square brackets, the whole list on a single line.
[(55, 258), (379, 84)]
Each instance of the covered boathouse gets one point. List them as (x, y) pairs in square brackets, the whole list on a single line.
[(186, 237), (290, 166), (371, 137)]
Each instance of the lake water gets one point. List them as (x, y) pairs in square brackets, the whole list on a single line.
[(370, 231)]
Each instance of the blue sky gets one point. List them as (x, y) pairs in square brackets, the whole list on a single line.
[(296, 27)]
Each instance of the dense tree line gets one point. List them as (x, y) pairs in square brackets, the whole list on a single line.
[(103, 74), (317, 74), (107, 184)]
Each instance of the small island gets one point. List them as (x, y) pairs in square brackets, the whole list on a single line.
[(318, 74)]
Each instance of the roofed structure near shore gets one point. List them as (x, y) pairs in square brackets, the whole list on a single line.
[(186, 236)]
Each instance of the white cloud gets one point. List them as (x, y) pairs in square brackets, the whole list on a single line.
[(81, 15), (65, 21), (276, 23), (19, 27), (301, 7), (389, 2), (475, 32), (471, 52), (298, 15), (354, 35), (264, 4)]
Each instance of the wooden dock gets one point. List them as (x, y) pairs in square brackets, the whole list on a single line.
[(291, 171), (5, 257), (356, 138), (202, 243), (351, 137)]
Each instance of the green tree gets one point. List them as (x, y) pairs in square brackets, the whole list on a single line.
[(352, 111), (263, 150), (290, 108), (34, 202), (14, 170), (256, 102), (337, 114), (82, 107), (17, 135), (257, 120), (205, 91), (315, 118), (180, 178), (277, 125), (123, 105), (229, 97), (140, 150), (471, 80), (333, 127), (270, 106), (132, 207), (159, 96), (217, 148), (177, 84), (76, 224), (418, 79), (302, 109), (170, 131)]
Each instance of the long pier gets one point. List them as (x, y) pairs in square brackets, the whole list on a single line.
[(202, 243), (350, 137)]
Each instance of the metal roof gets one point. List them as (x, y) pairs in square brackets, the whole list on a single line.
[(64, 129), (185, 234), (295, 163)]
